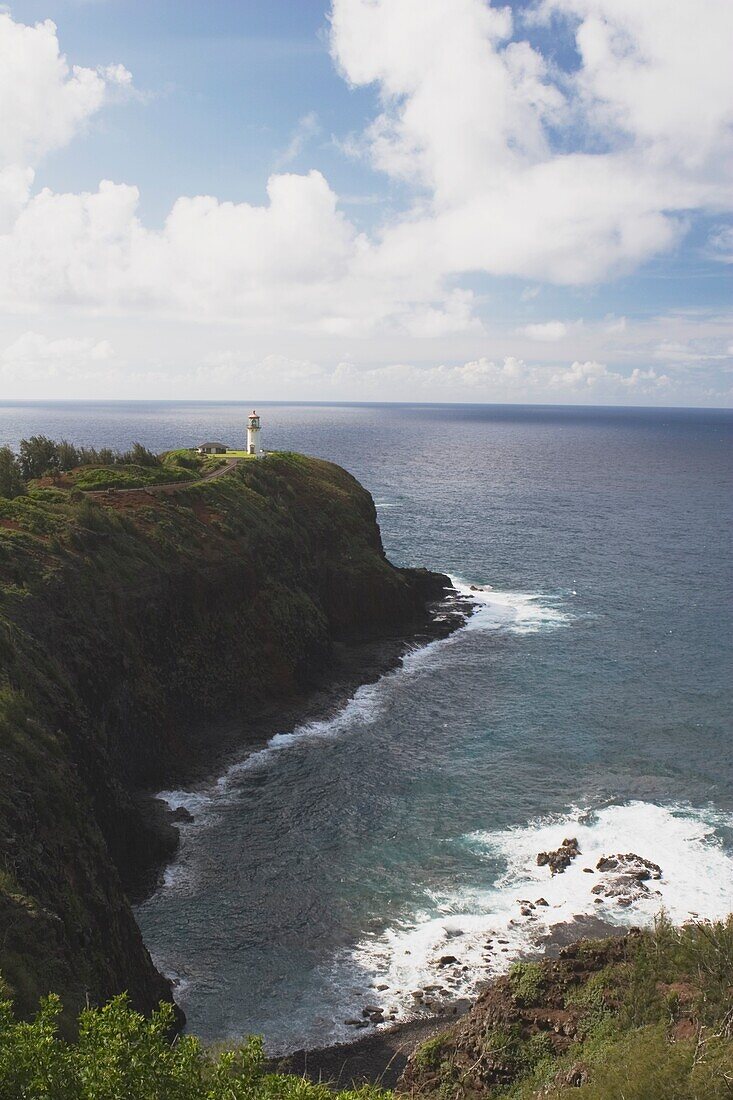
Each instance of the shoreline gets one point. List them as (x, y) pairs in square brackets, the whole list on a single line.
[(230, 742), (380, 1056)]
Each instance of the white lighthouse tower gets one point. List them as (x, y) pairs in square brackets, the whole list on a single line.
[(254, 447)]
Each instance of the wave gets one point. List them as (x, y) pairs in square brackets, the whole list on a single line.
[(491, 610), (513, 612), (483, 927)]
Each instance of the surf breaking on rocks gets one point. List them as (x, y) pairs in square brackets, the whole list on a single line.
[(619, 866)]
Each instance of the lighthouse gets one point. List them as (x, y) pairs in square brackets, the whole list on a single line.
[(254, 447)]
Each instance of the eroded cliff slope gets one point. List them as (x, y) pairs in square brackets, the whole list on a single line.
[(127, 623)]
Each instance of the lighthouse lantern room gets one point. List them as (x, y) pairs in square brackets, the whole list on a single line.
[(254, 447)]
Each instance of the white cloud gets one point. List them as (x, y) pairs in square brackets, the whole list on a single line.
[(45, 100), (720, 244), (470, 128), (482, 379), (469, 120), (547, 330), (33, 357)]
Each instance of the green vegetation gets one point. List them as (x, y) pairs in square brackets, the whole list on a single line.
[(430, 1054), (126, 476), (11, 476), (40, 456), (527, 979), (650, 1018), (121, 1055), (662, 1030)]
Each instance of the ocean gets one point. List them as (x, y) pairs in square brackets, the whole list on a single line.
[(589, 696)]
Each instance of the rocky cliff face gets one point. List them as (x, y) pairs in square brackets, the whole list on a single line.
[(127, 625)]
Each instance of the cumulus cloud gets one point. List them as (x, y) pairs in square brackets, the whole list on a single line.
[(45, 100), (509, 167), (473, 128), (482, 379)]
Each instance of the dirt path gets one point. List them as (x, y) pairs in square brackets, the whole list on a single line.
[(168, 486)]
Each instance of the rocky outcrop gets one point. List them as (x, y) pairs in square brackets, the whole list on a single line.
[(536, 1012), (625, 878), (561, 858), (131, 627)]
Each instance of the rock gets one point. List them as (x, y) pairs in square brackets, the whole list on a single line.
[(353, 1023), (417, 994), (629, 864), (625, 877), (577, 1076), (561, 857), (541, 901), (526, 911), (588, 871), (371, 1010), (181, 814), (447, 960), (380, 988)]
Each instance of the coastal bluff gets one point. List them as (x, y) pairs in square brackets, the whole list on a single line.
[(133, 625)]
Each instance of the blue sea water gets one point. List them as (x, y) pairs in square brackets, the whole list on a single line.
[(589, 694)]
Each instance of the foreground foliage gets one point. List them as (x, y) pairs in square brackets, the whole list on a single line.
[(121, 1055)]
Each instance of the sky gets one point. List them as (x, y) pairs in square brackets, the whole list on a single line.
[(367, 200)]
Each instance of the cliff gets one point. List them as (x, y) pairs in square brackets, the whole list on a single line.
[(130, 624)]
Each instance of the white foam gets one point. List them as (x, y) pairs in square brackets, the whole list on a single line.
[(514, 612), (697, 881)]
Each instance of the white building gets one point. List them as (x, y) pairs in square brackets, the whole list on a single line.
[(254, 446)]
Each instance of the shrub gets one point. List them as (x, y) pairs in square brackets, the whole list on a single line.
[(121, 1055)]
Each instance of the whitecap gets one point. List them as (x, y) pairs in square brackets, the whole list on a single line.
[(513, 612), (696, 882)]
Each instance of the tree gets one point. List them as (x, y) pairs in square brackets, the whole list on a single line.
[(68, 456), (39, 455), (11, 480), (140, 456)]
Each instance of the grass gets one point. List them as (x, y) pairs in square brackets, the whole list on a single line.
[(527, 980), (653, 1023), (237, 454)]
